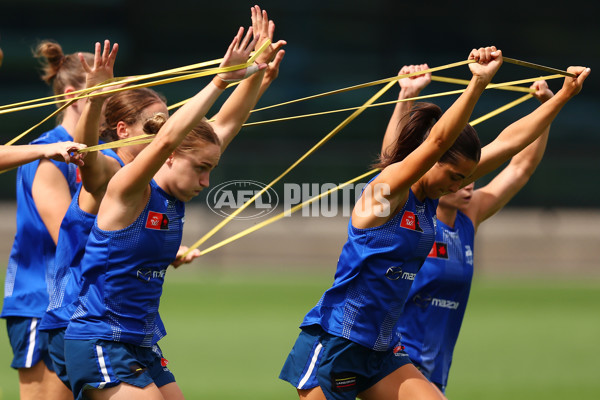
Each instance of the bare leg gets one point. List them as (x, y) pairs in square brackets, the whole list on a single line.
[(38, 382), (404, 383), (311, 394), (171, 391), (124, 391)]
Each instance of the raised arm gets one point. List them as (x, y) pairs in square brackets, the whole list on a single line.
[(489, 199), (520, 134), (409, 88), (236, 109), (98, 168), (129, 186), (398, 177)]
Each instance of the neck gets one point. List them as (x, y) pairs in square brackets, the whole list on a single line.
[(69, 122), (446, 214), (125, 155), (417, 189)]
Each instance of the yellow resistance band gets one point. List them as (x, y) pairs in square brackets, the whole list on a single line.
[(89, 92), (143, 138), (491, 86), (137, 78), (315, 198)]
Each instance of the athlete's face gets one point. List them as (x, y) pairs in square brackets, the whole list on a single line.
[(190, 172), (460, 199), (446, 178)]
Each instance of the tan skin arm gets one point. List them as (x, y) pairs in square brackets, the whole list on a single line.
[(98, 168), (489, 199), (400, 176), (51, 195), (235, 110), (13, 156), (520, 134), (129, 188), (409, 87)]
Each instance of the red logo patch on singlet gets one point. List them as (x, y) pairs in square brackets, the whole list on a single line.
[(77, 175), (410, 221), (439, 250), (157, 221)]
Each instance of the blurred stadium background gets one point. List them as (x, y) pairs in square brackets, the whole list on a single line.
[(533, 324)]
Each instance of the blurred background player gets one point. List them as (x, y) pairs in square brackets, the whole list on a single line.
[(44, 191), (432, 316)]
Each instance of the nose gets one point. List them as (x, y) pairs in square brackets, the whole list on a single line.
[(205, 180)]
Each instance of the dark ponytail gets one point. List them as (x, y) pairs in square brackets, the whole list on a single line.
[(420, 121)]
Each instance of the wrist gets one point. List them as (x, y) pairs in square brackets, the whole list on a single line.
[(219, 82)]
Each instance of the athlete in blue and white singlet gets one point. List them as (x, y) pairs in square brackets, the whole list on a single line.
[(349, 344), (122, 283), (433, 314), (374, 274), (25, 287), (65, 275)]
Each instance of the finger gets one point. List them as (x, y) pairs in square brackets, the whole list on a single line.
[(97, 54), (84, 63), (277, 60), (271, 28), (105, 52), (238, 38), (247, 38), (65, 155), (254, 18), (279, 45), (113, 55), (233, 44), (265, 24), (474, 55)]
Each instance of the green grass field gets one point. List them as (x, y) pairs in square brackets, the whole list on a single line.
[(229, 335)]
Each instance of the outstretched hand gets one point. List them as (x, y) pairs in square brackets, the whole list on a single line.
[(65, 151), (413, 85), (187, 259), (272, 71), (265, 29), (572, 86), (104, 61), (489, 60), (542, 91), (238, 53)]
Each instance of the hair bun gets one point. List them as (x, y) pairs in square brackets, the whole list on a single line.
[(153, 124)]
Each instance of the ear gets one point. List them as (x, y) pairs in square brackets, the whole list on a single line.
[(170, 160), (122, 130), (68, 92)]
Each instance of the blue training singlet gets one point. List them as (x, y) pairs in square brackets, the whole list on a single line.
[(32, 254), (123, 272), (64, 278), (375, 271), (438, 298)]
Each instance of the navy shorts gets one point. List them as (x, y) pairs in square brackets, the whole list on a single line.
[(99, 364), (342, 368), (29, 344), (56, 349)]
